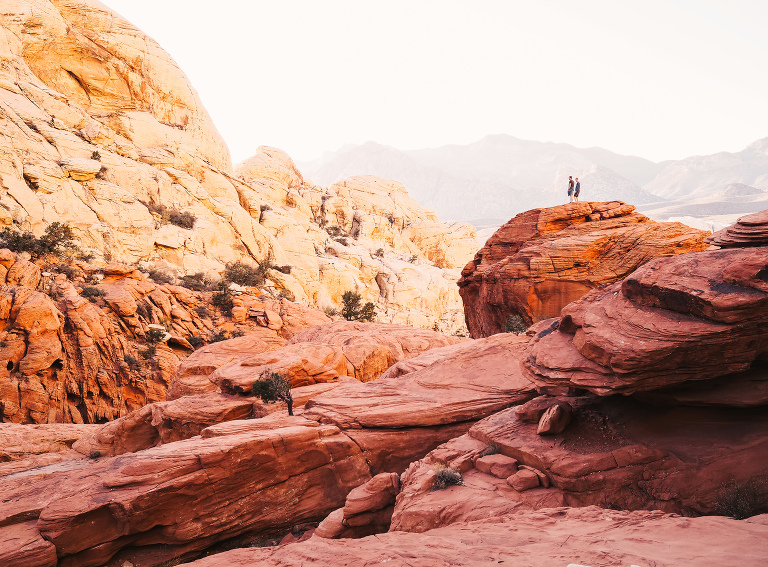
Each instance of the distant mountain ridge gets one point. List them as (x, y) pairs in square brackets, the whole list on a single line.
[(500, 176)]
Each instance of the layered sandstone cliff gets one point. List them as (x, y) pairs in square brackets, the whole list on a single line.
[(104, 132), (543, 259)]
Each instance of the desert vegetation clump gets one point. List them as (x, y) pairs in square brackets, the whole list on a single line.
[(273, 387), (516, 324), (379, 253), (196, 341), (92, 293), (170, 215), (132, 362), (223, 299), (161, 277), (491, 449), (331, 311), (155, 335), (352, 310), (57, 239), (96, 155), (743, 500), (148, 352), (248, 275), (445, 477), (196, 282)]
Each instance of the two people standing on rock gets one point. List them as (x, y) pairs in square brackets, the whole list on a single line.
[(574, 189)]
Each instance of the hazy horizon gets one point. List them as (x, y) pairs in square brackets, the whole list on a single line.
[(661, 81)]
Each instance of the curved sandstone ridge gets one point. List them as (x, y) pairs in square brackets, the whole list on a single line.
[(558, 536), (211, 473), (102, 130), (691, 317), (749, 230), (543, 259)]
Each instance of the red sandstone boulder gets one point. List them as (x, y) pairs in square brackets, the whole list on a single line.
[(544, 259), (616, 453), (690, 317), (749, 230), (558, 536)]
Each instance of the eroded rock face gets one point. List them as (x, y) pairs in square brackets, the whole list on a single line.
[(543, 259), (749, 230), (615, 453), (558, 536), (104, 130), (690, 317)]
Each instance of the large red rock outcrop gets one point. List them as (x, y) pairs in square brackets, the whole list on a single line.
[(616, 453), (543, 259), (749, 230), (325, 352), (690, 317), (559, 536), (187, 494)]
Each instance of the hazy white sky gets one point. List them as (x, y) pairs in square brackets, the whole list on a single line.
[(654, 78)]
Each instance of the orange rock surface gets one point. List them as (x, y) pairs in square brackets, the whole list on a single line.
[(543, 259)]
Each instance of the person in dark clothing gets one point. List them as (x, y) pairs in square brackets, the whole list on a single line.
[(570, 187), (577, 190)]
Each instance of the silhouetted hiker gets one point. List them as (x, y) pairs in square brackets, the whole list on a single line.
[(570, 187), (576, 192)]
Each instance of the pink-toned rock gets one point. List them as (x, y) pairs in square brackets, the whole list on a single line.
[(302, 364), (371, 348), (22, 441), (164, 422), (22, 546), (499, 466), (368, 509), (543, 259), (689, 317), (749, 230), (554, 420), (531, 411), (194, 492), (193, 375), (543, 538), (467, 384), (523, 480)]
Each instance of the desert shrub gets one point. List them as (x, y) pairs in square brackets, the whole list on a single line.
[(341, 240), (331, 311), (391, 219), (132, 362), (379, 253), (202, 311), (96, 155), (334, 231), (743, 500), (516, 324), (155, 335), (196, 341), (283, 269), (70, 271), (245, 274), (272, 387), (196, 282), (158, 276), (148, 352), (219, 336), (223, 300), (57, 239), (351, 309), (445, 477), (94, 455), (92, 293), (170, 215), (286, 294), (413, 259)]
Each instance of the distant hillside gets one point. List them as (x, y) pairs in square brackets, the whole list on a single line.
[(496, 176)]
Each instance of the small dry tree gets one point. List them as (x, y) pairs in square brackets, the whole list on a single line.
[(273, 387)]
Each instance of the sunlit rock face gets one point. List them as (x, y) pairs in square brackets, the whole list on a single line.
[(543, 259), (102, 130)]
